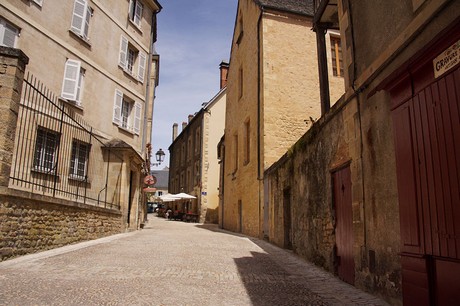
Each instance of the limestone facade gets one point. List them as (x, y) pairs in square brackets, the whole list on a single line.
[(97, 57), (272, 100)]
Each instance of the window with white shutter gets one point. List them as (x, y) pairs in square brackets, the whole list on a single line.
[(117, 107), (141, 68), (72, 84), (123, 52), (136, 9), (8, 34), (137, 117), (127, 114), (80, 18)]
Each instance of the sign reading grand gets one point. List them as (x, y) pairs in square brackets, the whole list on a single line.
[(447, 60)]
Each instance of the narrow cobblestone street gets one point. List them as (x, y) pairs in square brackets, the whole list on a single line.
[(172, 263)]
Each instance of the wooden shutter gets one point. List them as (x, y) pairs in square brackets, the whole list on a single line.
[(137, 117), (141, 70), (78, 17), (138, 13), (71, 78), (117, 107), (123, 51)]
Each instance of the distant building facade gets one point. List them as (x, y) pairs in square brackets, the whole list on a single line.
[(194, 167), (272, 99)]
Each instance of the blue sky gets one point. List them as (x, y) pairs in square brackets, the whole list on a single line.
[(193, 38)]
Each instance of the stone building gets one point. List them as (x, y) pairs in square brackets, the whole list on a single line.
[(370, 192), (97, 57), (194, 167), (272, 99)]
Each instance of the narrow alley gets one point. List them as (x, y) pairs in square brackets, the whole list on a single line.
[(172, 263)]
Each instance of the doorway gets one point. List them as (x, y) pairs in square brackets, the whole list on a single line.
[(341, 180)]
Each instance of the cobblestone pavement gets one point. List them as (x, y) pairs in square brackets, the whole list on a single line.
[(172, 263)]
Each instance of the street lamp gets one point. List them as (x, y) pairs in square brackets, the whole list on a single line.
[(160, 156)]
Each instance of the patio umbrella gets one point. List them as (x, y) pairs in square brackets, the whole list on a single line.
[(169, 198), (183, 195)]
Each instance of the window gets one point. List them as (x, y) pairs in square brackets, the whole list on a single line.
[(235, 152), (46, 146), (247, 142), (240, 84), (129, 57), (80, 19), (8, 34), (72, 84), (79, 159), (135, 12), (189, 148), (197, 140), (337, 61), (127, 113)]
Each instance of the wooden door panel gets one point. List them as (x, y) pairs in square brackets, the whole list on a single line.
[(344, 224)]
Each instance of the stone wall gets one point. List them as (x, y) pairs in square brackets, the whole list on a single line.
[(358, 135), (31, 223)]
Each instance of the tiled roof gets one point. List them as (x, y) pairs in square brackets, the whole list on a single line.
[(303, 7), (162, 178)]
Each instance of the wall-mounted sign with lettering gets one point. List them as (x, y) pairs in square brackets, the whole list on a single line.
[(447, 60)]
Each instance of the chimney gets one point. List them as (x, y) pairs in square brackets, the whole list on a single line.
[(184, 125), (223, 74), (190, 117), (174, 135)]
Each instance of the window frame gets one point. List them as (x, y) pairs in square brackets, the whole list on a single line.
[(80, 20), (130, 56), (5, 24), (133, 119), (336, 55), (44, 149), (75, 160), (135, 12), (73, 81)]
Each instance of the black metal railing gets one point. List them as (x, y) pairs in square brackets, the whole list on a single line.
[(56, 153)]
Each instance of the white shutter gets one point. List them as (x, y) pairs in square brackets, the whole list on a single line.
[(85, 29), (78, 17), (138, 13), (123, 51), (141, 70), (9, 34), (132, 10), (39, 2), (71, 78), (117, 107), (137, 117)]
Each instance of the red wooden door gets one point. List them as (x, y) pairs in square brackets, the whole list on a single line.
[(426, 124), (344, 225)]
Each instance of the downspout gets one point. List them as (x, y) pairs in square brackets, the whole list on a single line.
[(153, 39), (259, 103)]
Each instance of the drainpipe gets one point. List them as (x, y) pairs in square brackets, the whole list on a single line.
[(259, 102), (153, 39)]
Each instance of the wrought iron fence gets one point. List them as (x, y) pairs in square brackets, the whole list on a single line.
[(56, 153)]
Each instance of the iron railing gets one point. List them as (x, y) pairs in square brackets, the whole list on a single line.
[(56, 153)]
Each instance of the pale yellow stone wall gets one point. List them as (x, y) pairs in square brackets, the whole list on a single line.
[(290, 91), (213, 130), (241, 184), (289, 104)]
